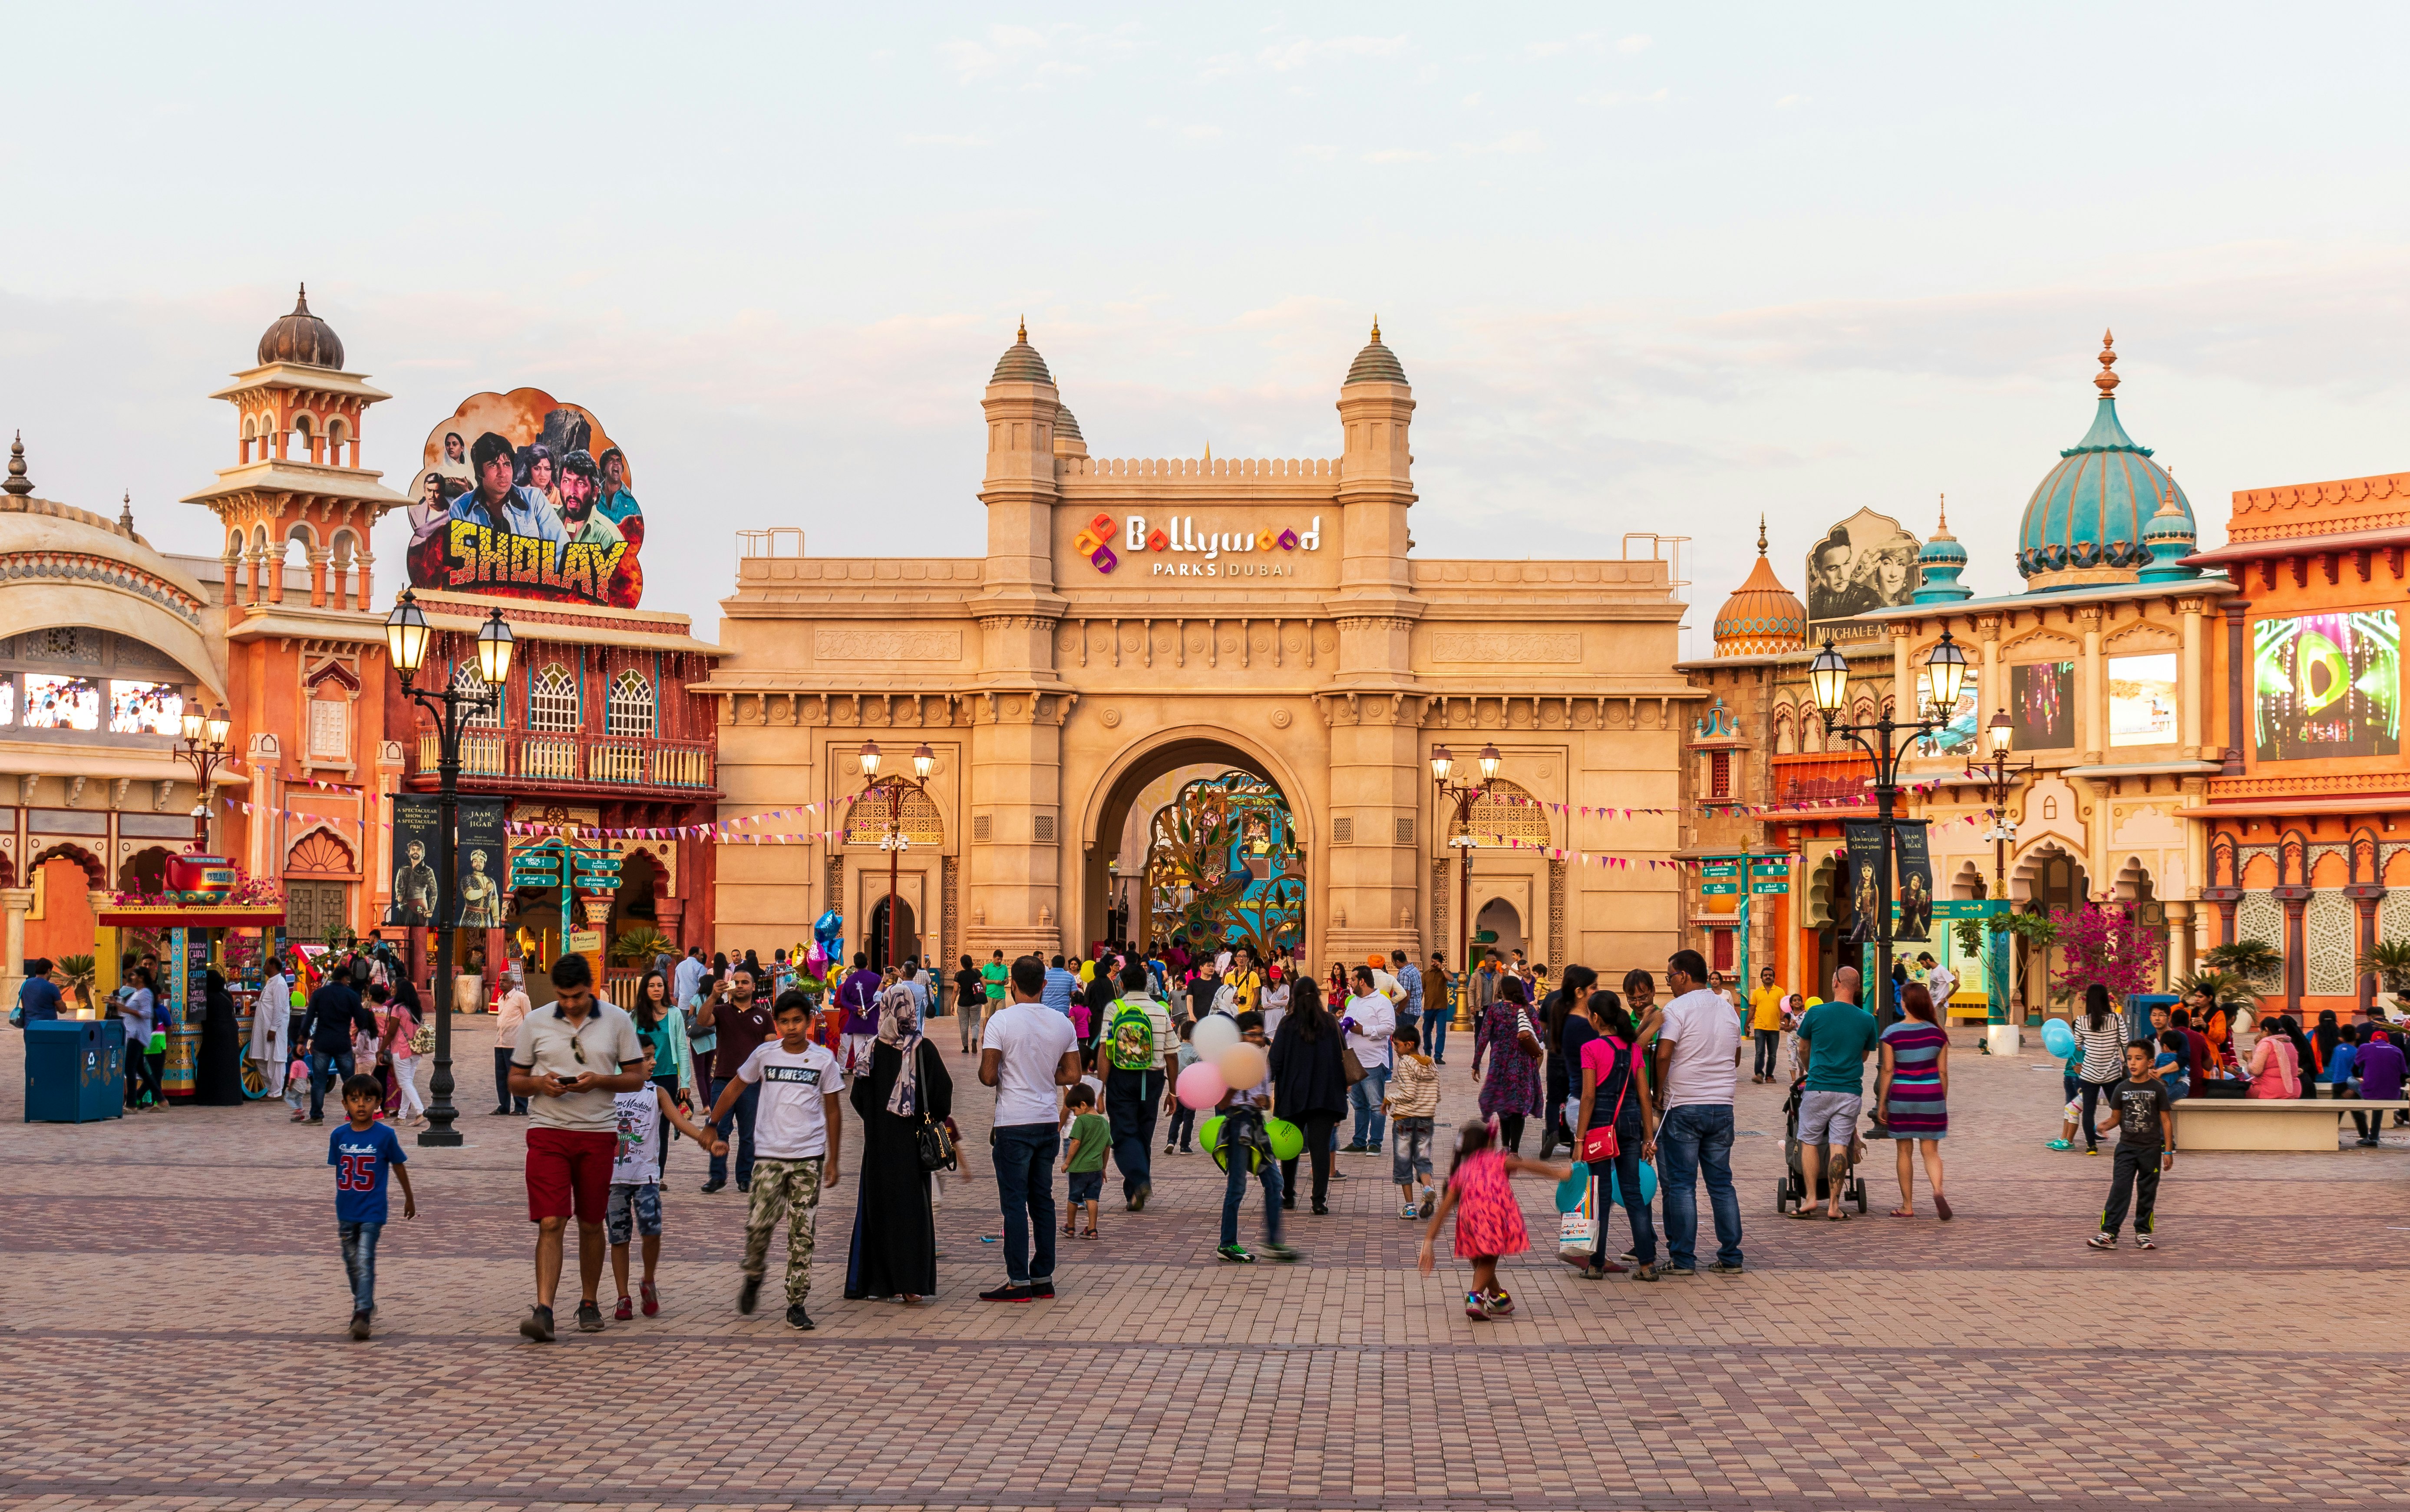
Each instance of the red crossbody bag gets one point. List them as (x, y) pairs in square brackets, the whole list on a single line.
[(1599, 1146)]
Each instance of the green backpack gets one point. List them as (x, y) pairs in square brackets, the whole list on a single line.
[(1130, 1032)]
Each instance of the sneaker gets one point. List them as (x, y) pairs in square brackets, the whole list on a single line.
[(745, 1185), (1339, 1176), (1009, 1291), (1498, 1304), (1644, 1272), (300, 1118), (652, 1296), (1409, 1210), (625, 1311), (797, 1317), (590, 1318), (1371, 1150), (2060, 1144), (1720, 1268), (1042, 1290), (498, 1112), (748, 1296), (2095, 1150), (1236, 1255), (1474, 1308), (360, 1325), (1285, 1253), (1138, 1199), (2102, 1241), (1628, 1258), (1595, 1271), (1680, 1273), (710, 1187), (1351, 1149), (537, 1325), (1321, 1210), (1167, 1149), (1431, 1204), (2143, 1240)]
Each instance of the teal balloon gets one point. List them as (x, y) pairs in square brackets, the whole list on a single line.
[(1647, 1185), (1288, 1140), (1571, 1191), (2057, 1040)]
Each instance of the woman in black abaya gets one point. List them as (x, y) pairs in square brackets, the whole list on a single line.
[(217, 1068), (894, 1251)]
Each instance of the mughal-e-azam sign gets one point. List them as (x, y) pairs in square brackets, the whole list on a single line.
[(1179, 536), (523, 496)]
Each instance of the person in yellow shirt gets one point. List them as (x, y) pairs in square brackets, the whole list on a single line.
[(1764, 1023), (1245, 982)]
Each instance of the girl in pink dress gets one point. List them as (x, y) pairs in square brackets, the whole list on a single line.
[(1488, 1220)]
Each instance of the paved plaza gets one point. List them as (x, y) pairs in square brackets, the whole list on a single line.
[(172, 1307)]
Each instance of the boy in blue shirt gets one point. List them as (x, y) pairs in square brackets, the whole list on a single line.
[(363, 1152)]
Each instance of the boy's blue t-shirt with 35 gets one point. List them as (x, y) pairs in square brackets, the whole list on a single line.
[(363, 1160)]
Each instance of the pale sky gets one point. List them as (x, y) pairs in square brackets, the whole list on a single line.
[(1648, 268)]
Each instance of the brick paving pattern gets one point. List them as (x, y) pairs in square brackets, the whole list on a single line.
[(172, 1304)]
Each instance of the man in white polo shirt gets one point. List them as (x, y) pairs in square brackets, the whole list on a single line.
[(572, 1060), (1027, 1052), (1696, 1064)]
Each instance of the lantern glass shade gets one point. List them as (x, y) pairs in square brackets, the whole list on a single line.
[(923, 761), (1489, 759), (1442, 763), (219, 725), (869, 758), (405, 634), (193, 726), (2003, 732), (1828, 676), (1947, 667), (494, 649)]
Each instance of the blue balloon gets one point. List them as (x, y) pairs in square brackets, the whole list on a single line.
[(2057, 1040), (1575, 1187), (1647, 1185)]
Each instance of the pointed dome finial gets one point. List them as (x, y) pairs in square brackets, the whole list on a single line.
[(1761, 533), (1377, 325), (2107, 382), (18, 483), (1023, 334), (126, 514), (1945, 512)]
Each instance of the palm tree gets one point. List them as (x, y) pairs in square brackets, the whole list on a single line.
[(2254, 961), (2388, 961), (76, 973), (2226, 989)]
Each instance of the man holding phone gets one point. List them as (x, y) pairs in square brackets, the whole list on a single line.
[(572, 1060)]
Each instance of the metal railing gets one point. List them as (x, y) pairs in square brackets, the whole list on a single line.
[(601, 760)]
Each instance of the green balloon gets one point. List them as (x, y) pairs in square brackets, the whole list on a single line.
[(1209, 1134), (1288, 1140)]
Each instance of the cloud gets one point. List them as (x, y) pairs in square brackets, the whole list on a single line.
[(1033, 57), (1304, 52), (1005, 49), (1513, 142), (1201, 133), (1787, 101), (944, 139), (1399, 155), (1612, 98)]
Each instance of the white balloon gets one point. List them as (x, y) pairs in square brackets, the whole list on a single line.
[(1214, 1034)]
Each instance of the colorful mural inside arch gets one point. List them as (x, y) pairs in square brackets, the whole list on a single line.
[(522, 496), (1222, 864)]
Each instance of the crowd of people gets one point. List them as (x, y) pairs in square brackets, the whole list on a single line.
[(1089, 1061)]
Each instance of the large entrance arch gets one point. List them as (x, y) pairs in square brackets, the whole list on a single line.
[(1237, 827)]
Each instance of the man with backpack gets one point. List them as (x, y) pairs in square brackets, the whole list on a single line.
[(1138, 1052)]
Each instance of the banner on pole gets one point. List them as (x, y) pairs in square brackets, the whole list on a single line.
[(416, 825), (1915, 882), (479, 854)]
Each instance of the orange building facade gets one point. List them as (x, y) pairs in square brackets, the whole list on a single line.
[(2307, 822)]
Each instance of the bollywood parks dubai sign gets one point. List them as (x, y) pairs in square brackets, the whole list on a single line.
[(520, 495), (1176, 547)]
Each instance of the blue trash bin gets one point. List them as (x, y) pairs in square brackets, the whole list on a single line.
[(75, 1069)]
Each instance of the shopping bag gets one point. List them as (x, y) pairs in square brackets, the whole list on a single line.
[(1578, 1231)]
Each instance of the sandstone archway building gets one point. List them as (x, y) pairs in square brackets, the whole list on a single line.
[(1131, 621)]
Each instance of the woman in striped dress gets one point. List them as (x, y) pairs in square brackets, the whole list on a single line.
[(1912, 1087)]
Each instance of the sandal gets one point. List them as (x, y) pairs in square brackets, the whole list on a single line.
[(1837, 1216), (1941, 1206), (1089, 1234), (1903, 1212), (1803, 1214)]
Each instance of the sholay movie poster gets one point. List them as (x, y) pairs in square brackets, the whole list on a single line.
[(523, 496)]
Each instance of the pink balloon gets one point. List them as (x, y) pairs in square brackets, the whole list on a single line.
[(1201, 1086)]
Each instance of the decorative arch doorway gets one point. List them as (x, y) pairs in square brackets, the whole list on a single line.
[(908, 932), (1196, 836)]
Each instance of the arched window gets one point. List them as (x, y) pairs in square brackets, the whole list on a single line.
[(1507, 814), (628, 710), (553, 704), (465, 680)]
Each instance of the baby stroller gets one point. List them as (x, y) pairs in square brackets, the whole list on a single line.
[(1791, 1189)]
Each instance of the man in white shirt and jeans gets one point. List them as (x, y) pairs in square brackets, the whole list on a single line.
[(1368, 1018), (1696, 1064), (1027, 1051)]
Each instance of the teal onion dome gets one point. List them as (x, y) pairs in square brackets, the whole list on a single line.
[(2170, 538), (2085, 524), (1938, 566)]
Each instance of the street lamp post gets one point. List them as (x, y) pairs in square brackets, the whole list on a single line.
[(1885, 741), (893, 841), (1998, 777), (1461, 839), (204, 747), (406, 638)]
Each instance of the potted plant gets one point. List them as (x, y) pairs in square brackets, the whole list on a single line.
[(76, 974), (641, 943)]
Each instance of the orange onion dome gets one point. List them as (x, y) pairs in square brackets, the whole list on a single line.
[(1762, 618)]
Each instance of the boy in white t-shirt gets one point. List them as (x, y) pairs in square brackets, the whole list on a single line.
[(798, 1129), (634, 1209)]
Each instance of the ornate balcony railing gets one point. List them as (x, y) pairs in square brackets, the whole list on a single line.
[(587, 760)]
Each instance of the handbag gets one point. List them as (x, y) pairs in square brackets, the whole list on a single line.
[(1349, 1066), (1527, 1039), (936, 1144), (1599, 1146)]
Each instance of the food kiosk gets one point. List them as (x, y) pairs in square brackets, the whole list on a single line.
[(196, 929)]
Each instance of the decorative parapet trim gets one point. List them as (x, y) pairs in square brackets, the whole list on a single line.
[(104, 571), (1265, 469)]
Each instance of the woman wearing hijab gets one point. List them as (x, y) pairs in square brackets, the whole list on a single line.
[(894, 1251), (217, 1071)]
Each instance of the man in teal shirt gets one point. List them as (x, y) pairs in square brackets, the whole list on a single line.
[(1834, 1038)]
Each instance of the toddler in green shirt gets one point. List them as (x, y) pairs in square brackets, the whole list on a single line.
[(1083, 1157)]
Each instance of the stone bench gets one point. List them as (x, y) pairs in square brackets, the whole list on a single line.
[(2217, 1123)]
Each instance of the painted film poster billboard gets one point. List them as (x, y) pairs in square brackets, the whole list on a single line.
[(1864, 563), (522, 496), (2328, 685)]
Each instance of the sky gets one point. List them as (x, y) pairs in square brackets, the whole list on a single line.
[(1650, 269)]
